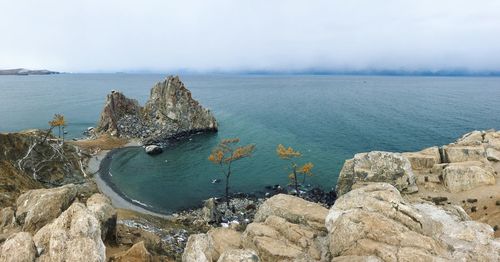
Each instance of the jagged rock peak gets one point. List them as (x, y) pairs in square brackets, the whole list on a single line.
[(169, 112)]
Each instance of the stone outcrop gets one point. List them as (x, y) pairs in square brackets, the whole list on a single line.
[(117, 106), (424, 159), (18, 248), (36, 208), (170, 112), (56, 227), (376, 221), (463, 176), (73, 236), (26, 162), (286, 228), (105, 213), (460, 166), (137, 252), (239, 255), (377, 166), (373, 222)]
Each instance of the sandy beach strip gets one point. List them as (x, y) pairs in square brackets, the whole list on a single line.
[(101, 161)]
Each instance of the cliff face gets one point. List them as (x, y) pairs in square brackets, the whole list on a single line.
[(170, 112), (27, 163)]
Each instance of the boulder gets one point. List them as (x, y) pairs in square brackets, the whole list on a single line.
[(456, 154), (18, 247), (101, 206), (239, 255), (424, 159), (169, 112), (492, 139), (74, 236), (492, 154), (36, 208), (137, 252), (153, 149), (467, 175), (293, 209), (208, 247), (197, 249), (474, 138), (223, 239), (210, 212), (374, 222), (285, 228), (7, 219), (276, 239), (377, 166)]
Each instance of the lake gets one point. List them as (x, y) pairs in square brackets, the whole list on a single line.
[(327, 118)]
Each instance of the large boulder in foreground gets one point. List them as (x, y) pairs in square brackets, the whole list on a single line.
[(376, 222), (36, 208), (18, 247), (101, 206), (74, 236), (285, 228), (170, 112), (377, 166)]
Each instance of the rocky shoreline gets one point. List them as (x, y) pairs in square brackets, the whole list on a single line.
[(434, 219), (438, 204), (242, 200)]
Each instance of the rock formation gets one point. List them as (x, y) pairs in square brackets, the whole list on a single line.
[(375, 221), (169, 112), (392, 207), (460, 166), (377, 166), (371, 223), (285, 228)]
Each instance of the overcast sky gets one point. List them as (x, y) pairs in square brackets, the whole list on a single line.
[(230, 35)]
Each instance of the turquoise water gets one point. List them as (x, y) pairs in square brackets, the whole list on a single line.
[(327, 118)]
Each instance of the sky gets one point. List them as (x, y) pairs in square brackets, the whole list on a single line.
[(256, 35)]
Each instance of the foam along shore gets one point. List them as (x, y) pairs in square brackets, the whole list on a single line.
[(96, 166)]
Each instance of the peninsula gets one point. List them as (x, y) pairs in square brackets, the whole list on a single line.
[(25, 72)]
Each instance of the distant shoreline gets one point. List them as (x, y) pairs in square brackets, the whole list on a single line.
[(26, 72)]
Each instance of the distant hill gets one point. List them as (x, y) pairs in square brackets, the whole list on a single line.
[(24, 72)]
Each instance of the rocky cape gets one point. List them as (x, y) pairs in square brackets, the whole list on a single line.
[(24, 72), (169, 113)]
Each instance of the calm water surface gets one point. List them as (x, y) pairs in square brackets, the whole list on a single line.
[(327, 118)]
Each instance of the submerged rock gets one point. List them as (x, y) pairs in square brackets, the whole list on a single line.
[(153, 149), (170, 112)]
